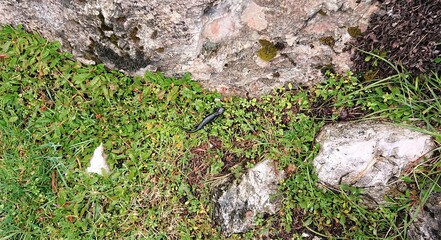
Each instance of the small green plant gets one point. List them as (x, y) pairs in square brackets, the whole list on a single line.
[(375, 57)]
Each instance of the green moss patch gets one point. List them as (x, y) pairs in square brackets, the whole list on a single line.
[(267, 51)]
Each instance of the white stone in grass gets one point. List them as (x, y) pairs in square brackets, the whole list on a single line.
[(238, 202), (98, 162), (369, 155)]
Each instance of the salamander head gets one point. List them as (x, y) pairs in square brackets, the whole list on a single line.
[(220, 110)]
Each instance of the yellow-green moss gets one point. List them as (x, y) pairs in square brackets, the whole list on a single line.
[(329, 40), (114, 39), (322, 12), (268, 51), (354, 31)]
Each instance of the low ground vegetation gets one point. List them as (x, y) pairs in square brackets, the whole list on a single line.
[(55, 111)]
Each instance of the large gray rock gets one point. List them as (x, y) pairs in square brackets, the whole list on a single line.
[(369, 155), (427, 220), (238, 202), (216, 41)]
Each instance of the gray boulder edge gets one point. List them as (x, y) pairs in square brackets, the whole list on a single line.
[(216, 41), (369, 155)]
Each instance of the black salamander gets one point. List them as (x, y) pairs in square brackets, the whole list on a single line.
[(206, 120)]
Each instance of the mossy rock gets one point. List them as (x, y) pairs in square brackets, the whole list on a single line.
[(354, 31), (329, 40), (322, 12), (268, 50)]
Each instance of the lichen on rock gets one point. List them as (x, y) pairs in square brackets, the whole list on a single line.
[(354, 31), (328, 40), (267, 51)]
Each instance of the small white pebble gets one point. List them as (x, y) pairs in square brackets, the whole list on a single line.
[(98, 162)]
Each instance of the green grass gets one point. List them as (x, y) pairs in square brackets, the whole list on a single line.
[(55, 112)]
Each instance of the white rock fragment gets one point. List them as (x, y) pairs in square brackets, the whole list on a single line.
[(237, 203), (98, 162)]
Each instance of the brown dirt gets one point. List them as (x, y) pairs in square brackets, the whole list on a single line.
[(407, 33)]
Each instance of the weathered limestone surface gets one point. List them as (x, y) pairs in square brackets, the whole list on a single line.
[(427, 223), (237, 203), (369, 155), (217, 41)]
